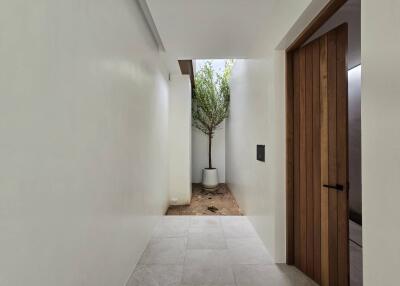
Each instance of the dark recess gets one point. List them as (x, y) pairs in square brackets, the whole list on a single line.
[(261, 153)]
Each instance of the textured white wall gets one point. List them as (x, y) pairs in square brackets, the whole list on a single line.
[(257, 117), (83, 109), (180, 132), (380, 88)]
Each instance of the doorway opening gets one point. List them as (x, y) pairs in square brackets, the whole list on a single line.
[(324, 189), (210, 101)]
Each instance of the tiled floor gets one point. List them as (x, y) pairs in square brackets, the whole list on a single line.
[(356, 273), (222, 202), (210, 251)]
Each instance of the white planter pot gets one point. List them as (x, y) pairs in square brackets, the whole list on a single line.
[(210, 179)]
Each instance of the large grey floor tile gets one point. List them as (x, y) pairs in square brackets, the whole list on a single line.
[(207, 275), (206, 240), (237, 228), (244, 242), (164, 251), (210, 251), (156, 275), (207, 257), (203, 229), (205, 224), (172, 226), (248, 251), (268, 275), (295, 276), (178, 219), (234, 219), (205, 221)]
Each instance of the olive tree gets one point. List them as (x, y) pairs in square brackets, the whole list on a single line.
[(210, 104)]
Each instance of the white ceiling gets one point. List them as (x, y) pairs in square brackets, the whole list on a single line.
[(200, 29)]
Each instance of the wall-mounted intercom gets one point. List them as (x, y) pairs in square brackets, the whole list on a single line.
[(261, 153)]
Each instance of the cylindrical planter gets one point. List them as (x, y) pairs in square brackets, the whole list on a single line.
[(210, 179)]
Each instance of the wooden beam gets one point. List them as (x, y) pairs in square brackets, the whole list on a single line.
[(186, 67)]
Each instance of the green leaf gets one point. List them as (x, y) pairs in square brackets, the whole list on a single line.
[(210, 104)]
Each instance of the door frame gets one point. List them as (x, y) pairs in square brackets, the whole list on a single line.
[(330, 8)]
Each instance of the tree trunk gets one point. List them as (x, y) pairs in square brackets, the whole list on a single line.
[(209, 150)]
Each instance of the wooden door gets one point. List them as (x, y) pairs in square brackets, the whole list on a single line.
[(320, 164)]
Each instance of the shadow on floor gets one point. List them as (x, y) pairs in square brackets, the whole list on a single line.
[(220, 202)]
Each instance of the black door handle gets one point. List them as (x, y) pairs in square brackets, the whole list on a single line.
[(336, 187)]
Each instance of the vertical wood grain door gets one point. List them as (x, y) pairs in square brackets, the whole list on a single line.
[(320, 164)]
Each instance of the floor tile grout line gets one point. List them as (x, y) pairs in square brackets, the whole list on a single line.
[(185, 237)]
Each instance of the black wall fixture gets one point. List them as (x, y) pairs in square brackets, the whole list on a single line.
[(261, 153)]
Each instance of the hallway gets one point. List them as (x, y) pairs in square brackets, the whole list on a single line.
[(210, 251), (98, 141)]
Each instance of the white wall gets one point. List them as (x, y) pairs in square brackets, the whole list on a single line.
[(380, 45), (180, 119), (257, 117), (83, 109)]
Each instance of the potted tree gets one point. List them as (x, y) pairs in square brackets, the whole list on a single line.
[(210, 107)]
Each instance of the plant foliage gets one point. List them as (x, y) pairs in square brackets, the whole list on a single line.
[(210, 104), (211, 99)]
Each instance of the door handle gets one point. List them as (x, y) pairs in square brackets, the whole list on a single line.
[(336, 187)]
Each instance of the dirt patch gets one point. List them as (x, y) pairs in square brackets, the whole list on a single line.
[(220, 202)]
